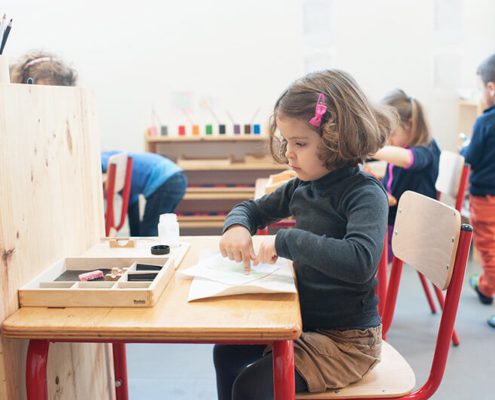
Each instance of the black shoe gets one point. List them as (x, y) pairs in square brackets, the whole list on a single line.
[(491, 321), (473, 282)]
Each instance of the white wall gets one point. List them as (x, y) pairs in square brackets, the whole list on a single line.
[(387, 44), (242, 54)]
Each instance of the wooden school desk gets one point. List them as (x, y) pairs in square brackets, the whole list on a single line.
[(246, 319)]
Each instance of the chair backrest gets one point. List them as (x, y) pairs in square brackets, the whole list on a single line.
[(119, 173), (453, 175), (426, 234), (120, 162)]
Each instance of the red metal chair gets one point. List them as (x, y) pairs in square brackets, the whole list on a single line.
[(429, 237), (453, 175), (119, 175)]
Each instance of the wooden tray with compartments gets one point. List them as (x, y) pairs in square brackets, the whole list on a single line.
[(143, 279)]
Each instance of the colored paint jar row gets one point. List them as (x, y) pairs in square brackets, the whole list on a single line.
[(209, 129)]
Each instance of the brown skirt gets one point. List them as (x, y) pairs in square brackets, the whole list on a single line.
[(332, 359)]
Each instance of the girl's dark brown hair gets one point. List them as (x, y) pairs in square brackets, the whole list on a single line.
[(412, 117), (41, 67), (351, 129)]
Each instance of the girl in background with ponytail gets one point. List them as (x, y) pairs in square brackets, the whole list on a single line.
[(412, 154)]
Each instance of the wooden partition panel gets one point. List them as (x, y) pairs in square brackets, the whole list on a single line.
[(51, 206)]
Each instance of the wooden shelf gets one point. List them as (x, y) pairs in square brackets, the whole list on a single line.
[(201, 221), (207, 189), (229, 146), (224, 160), (220, 195), (229, 137), (208, 165)]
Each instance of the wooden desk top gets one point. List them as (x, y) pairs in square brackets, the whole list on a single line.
[(244, 317)]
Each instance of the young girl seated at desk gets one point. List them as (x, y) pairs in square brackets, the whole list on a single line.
[(412, 154), (326, 127)]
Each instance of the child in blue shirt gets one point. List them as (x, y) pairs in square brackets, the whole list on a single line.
[(323, 126), (160, 181), (480, 154), (412, 154)]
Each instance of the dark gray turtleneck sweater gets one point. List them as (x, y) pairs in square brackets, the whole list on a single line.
[(336, 244)]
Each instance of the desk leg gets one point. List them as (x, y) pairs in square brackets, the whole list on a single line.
[(283, 370), (36, 361), (120, 370)]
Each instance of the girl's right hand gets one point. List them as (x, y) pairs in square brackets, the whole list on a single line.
[(236, 244)]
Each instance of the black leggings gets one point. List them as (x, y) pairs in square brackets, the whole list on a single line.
[(244, 374)]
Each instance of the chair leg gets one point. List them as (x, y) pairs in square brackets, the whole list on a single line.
[(392, 290), (441, 301), (428, 295), (381, 288)]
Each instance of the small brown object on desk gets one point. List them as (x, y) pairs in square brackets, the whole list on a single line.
[(121, 242)]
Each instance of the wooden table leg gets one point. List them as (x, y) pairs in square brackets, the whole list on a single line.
[(36, 361), (283, 370), (120, 369)]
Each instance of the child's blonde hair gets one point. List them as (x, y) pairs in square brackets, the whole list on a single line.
[(351, 128), (38, 66), (412, 117)]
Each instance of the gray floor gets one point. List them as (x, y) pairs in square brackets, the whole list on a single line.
[(185, 372)]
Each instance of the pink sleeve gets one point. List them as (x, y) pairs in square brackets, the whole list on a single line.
[(411, 159)]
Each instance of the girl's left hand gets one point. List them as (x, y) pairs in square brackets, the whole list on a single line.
[(266, 252)]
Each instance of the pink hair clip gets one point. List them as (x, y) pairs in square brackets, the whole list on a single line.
[(320, 110)]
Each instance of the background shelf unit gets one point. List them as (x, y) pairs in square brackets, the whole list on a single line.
[(221, 171)]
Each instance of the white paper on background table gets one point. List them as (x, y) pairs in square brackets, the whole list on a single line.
[(215, 276)]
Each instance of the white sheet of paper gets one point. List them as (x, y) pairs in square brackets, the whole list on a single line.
[(220, 269), (231, 280)]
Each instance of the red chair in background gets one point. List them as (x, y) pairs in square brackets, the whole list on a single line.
[(119, 175), (452, 181), (429, 237)]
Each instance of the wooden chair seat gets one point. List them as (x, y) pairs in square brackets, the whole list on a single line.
[(392, 377)]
